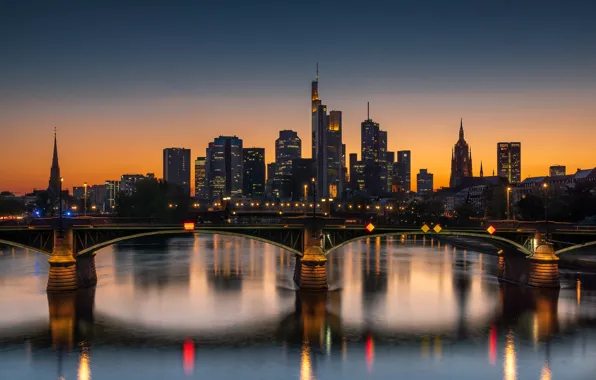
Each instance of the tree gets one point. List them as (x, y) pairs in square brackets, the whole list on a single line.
[(12, 206), (531, 207), (153, 199)]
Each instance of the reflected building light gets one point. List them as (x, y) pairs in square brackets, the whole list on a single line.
[(579, 291), (535, 331), (188, 356), (344, 349), (438, 347), (369, 350), (84, 364), (546, 373), (492, 345), (509, 365), (305, 363), (328, 340), (425, 347)]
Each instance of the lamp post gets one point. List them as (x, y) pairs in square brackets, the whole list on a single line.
[(545, 187), (85, 200), (60, 206), (314, 197), (508, 203)]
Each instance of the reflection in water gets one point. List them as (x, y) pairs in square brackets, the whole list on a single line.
[(306, 372), (578, 288), (509, 364), (392, 300), (84, 363)]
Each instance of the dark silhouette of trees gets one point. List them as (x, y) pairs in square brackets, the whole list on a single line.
[(154, 199)]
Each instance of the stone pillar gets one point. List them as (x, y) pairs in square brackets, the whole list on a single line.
[(63, 275), (86, 273), (544, 267), (311, 268), (501, 270)]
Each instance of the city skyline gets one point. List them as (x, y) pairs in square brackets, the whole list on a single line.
[(117, 104)]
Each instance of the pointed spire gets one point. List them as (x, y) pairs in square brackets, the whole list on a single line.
[(461, 129), (481, 171), (55, 156), (317, 77), (367, 110)]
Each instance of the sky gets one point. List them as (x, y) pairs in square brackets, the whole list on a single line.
[(120, 81)]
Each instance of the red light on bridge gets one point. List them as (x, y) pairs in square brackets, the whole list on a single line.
[(189, 226), (369, 227), (492, 345), (188, 356), (491, 230)]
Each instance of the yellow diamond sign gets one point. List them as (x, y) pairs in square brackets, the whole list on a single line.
[(491, 230), (370, 227), (425, 228), (438, 228)]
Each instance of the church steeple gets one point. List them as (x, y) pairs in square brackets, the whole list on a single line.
[(54, 183), (481, 171), (461, 129)]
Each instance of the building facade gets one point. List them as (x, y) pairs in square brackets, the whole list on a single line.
[(253, 178), (424, 180), (201, 185), (461, 160), (303, 170), (402, 170), (334, 155), (224, 167), (557, 170), (128, 181), (287, 148), (176, 167), (509, 161)]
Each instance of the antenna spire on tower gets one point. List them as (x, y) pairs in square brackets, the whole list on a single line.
[(368, 110), (317, 72)]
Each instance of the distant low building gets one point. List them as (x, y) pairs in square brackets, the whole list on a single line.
[(424, 180)]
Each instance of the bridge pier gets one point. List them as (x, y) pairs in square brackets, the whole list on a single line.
[(310, 273), (86, 272), (63, 275), (544, 267)]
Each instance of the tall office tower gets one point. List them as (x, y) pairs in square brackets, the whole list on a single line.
[(402, 169), (54, 182), (389, 161), (509, 161), (253, 180), (201, 185), (424, 181), (369, 139), (224, 167), (176, 167), (270, 189), (557, 170), (334, 156), (315, 103), (303, 170), (112, 189), (382, 161), (287, 147), (461, 160), (128, 181)]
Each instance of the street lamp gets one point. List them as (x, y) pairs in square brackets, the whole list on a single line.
[(314, 195), (85, 200), (60, 205), (545, 187), (508, 203)]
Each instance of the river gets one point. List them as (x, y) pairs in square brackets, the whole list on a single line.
[(216, 307)]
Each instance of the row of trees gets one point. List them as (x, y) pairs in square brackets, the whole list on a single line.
[(153, 199)]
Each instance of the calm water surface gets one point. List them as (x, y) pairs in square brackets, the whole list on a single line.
[(216, 307)]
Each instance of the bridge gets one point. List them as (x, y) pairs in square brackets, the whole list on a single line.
[(71, 244)]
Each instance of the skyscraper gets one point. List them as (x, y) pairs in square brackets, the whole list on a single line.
[(424, 181), (176, 167), (509, 161), (253, 180), (287, 147), (390, 160), (54, 182), (402, 170), (334, 155), (461, 159), (369, 140), (557, 170), (326, 145), (224, 167), (201, 185)]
